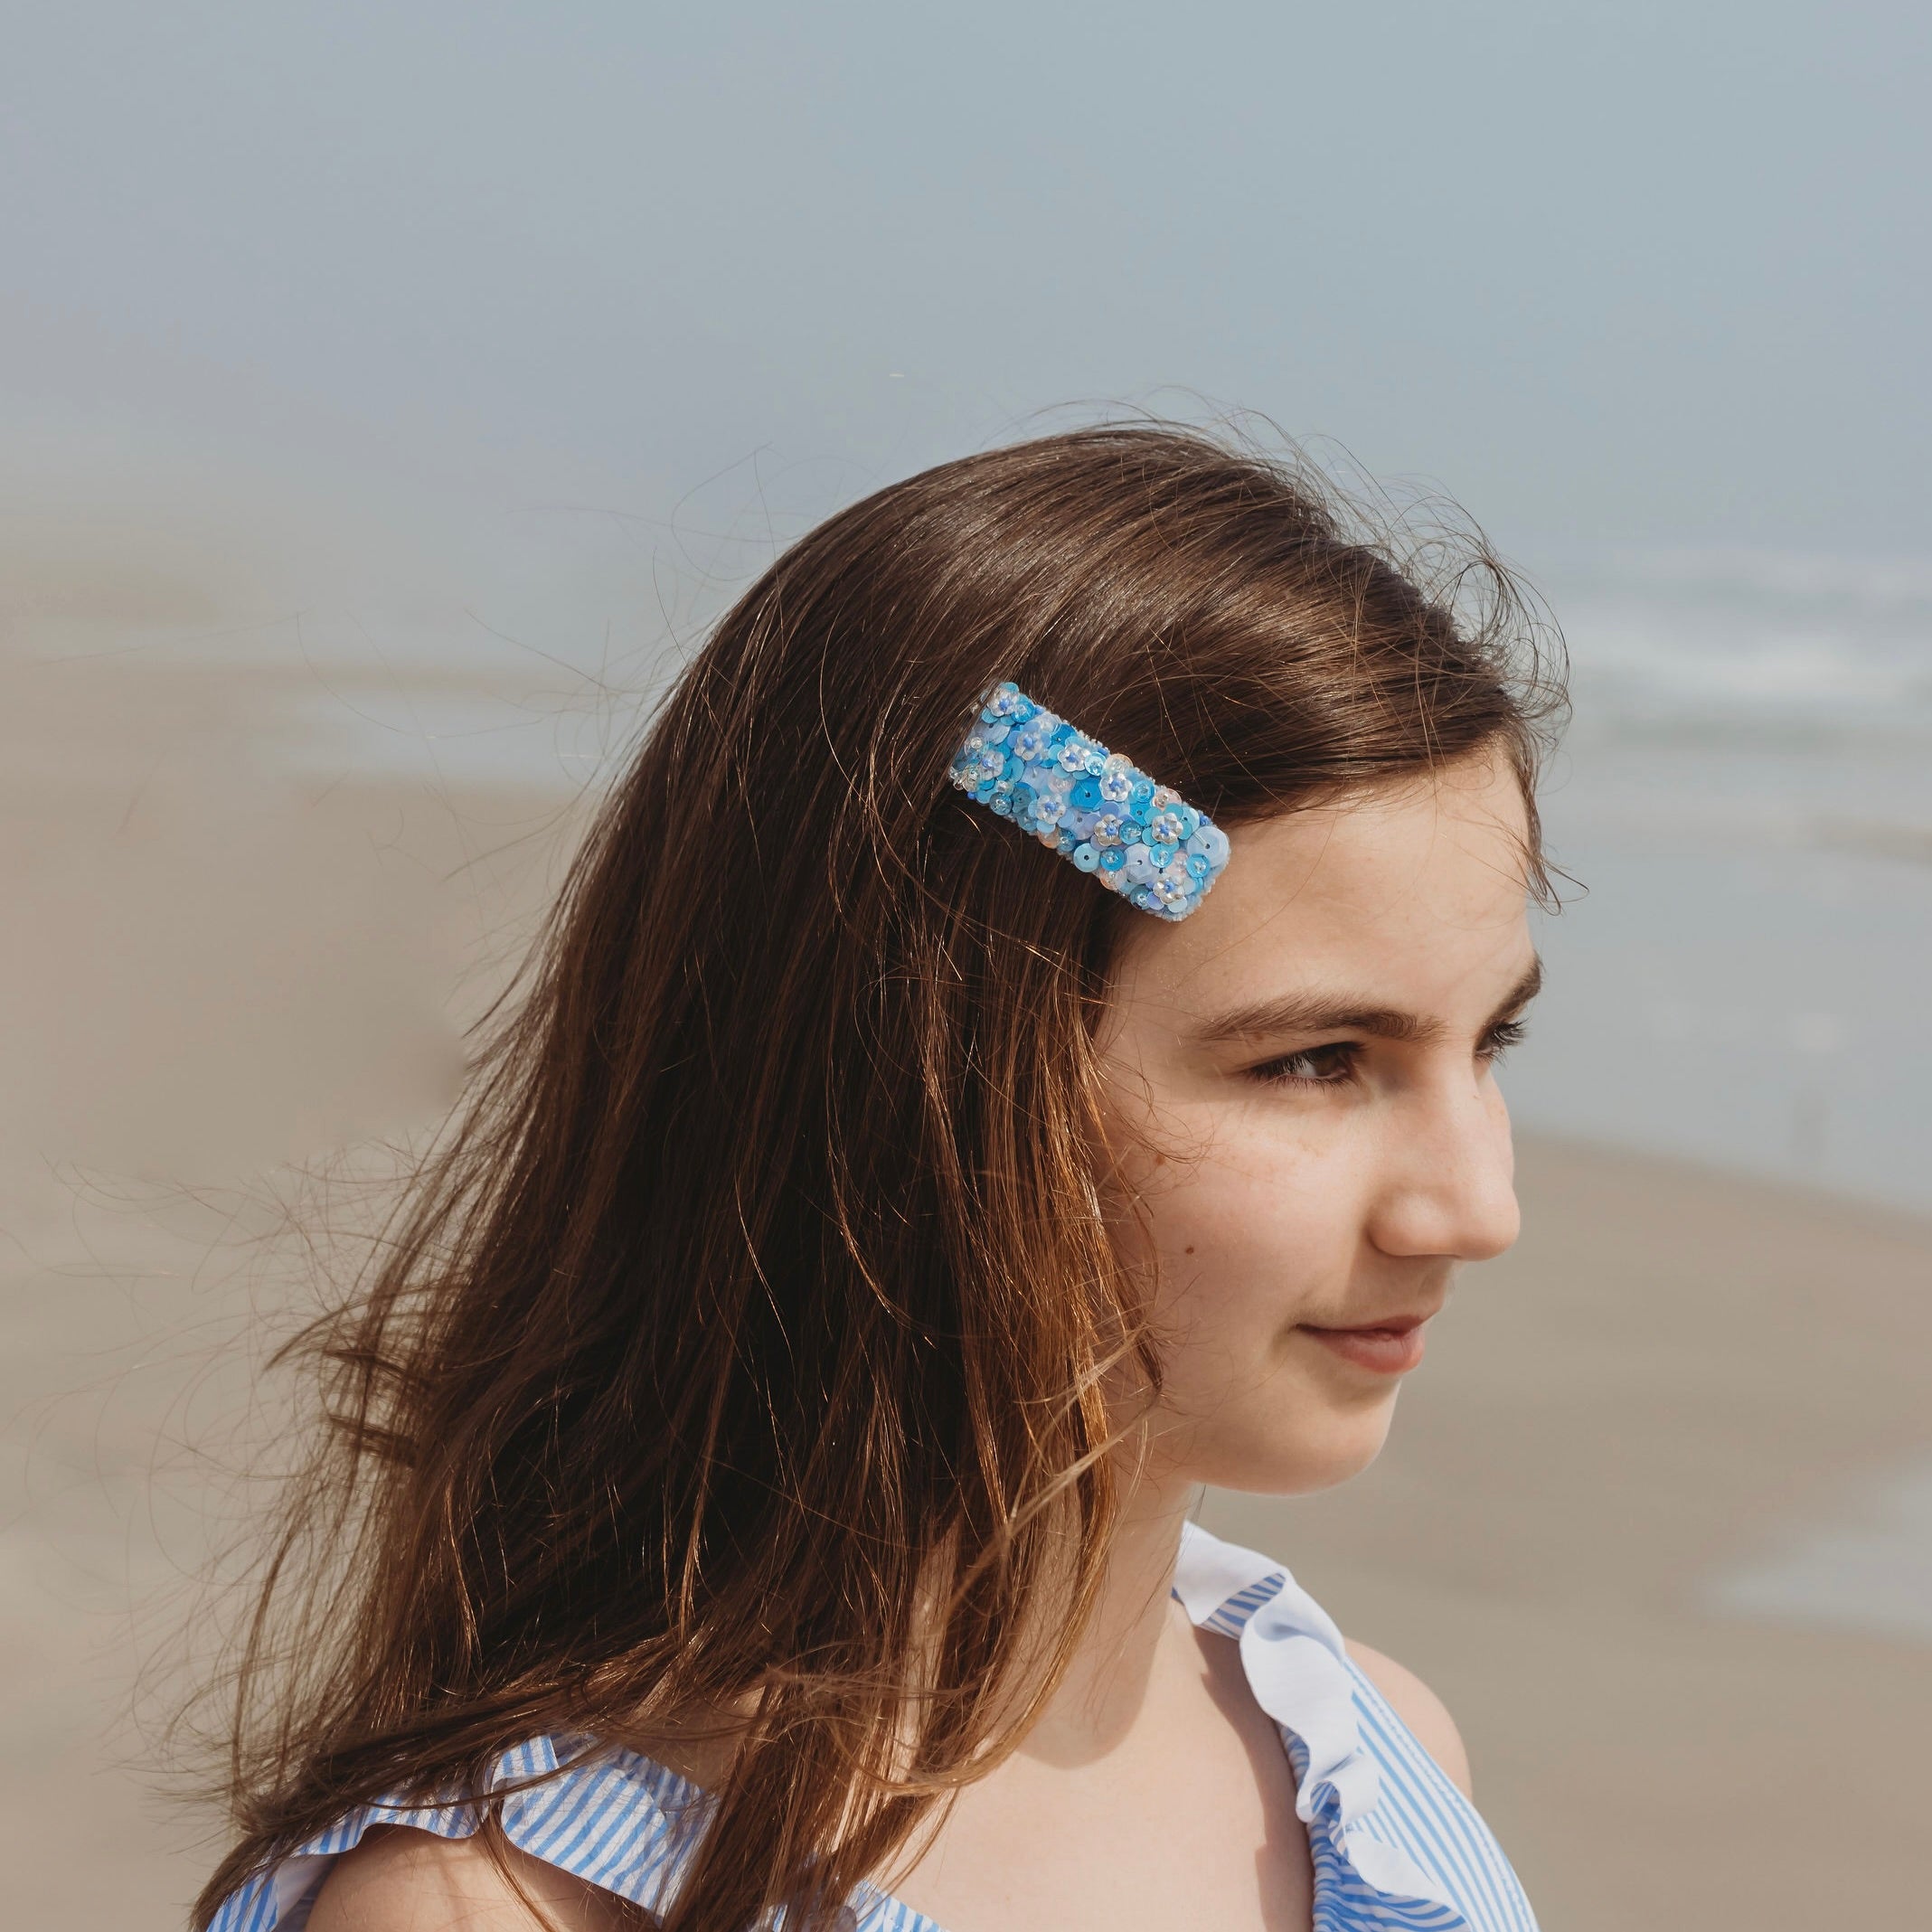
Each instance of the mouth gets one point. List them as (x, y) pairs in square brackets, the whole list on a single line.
[(1392, 1346)]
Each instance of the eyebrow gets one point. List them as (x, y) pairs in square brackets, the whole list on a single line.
[(1299, 1014)]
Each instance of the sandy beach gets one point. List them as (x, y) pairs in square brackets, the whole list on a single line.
[(220, 958)]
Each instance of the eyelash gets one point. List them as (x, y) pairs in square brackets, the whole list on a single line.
[(1344, 1054)]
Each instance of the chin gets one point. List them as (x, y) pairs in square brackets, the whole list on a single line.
[(1310, 1459)]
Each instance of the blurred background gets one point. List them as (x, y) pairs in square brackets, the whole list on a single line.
[(389, 394)]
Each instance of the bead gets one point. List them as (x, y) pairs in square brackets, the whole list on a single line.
[(1095, 807)]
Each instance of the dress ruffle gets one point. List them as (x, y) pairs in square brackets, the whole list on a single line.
[(610, 1817), (1301, 1675)]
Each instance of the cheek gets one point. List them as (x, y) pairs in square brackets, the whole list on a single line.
[(1262, 1233), (1246, 1235)]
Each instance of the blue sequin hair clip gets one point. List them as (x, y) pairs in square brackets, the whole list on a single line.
[(1094, 806)]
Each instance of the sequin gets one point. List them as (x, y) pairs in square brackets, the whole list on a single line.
[(1089, 805)]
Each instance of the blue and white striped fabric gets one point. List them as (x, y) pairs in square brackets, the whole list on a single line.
[(1396, 1846)]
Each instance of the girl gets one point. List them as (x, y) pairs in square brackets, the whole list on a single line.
[(759, 1484)]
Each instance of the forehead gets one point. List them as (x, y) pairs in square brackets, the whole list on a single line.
[(1411, 894)]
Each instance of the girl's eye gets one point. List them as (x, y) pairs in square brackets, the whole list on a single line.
[(1336, 1064), (1329, 1066), (1502, 1037)]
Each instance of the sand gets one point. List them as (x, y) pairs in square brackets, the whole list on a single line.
[(214, 964)]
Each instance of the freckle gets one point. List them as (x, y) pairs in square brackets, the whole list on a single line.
[(1190, 1250), (1160, 1160)]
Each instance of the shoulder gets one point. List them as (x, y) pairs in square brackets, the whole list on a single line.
[(1419, 1708), (401, 1880)]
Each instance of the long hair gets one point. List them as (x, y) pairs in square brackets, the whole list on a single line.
[(752, 1341)]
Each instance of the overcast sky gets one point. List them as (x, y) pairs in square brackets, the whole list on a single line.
[(1630, 274)]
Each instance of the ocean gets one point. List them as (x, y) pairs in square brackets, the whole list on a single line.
[(1744, 804)]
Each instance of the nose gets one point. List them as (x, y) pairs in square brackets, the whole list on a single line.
[(1448, 1181)]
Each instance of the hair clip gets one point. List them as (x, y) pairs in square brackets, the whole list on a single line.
[(1094, 806)]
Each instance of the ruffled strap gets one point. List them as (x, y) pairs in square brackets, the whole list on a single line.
[(609, 1817), (1368, 1870)]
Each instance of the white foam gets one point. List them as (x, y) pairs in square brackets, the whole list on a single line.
[(1869, 1572)]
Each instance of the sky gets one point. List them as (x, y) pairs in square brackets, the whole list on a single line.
[(1634, 280)]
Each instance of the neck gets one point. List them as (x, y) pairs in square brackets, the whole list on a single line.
[(1135, 1628)]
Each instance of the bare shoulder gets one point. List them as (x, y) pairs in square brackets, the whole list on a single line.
[(1420, 1709), (400, 1879)]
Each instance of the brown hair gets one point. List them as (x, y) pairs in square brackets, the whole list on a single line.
[(760, 1277)]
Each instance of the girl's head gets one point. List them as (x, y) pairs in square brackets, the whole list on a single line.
[(858, 1195)]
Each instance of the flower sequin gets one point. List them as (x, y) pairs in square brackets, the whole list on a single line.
[(1092, 806)]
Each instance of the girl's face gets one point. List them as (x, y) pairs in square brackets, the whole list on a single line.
[(1302, 1102)]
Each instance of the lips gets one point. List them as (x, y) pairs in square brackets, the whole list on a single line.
[(1392, 1346)]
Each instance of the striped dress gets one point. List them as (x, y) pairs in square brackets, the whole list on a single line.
[(1396, 1847)]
